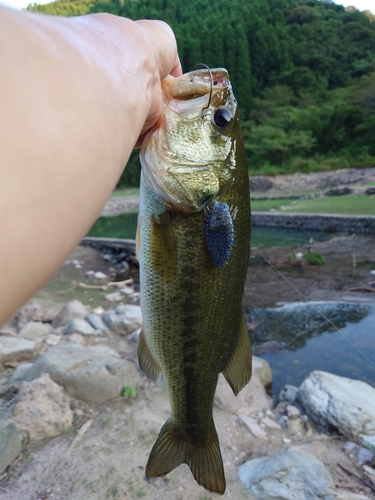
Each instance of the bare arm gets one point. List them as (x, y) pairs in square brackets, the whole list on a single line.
[(75, 95)]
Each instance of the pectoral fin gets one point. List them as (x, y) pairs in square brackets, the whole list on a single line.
[(238, 370), (147, 363), (163, 247)]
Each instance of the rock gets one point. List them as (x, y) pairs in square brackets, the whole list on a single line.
[(296, 426), (350, 447), (77, 338), (100, 276), (290, 475), (42, 409), (81, 326), (16, 349), (10, 444), (123, 319), (365, 455), (253, 426), (370, 473), (292, 412), (18, 376), (253, 397), (348, 405), (283, 421), (262, 367), (73, 309), (52, 340), (348, 495), (96, 322), (288, 393), (34, 330), (114, 297), (271, 424), (91, 374), (32, 311), (127, 290)]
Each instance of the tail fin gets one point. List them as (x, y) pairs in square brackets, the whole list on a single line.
[(173, 448)]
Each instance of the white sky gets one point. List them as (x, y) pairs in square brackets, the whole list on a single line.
[(359, 4)]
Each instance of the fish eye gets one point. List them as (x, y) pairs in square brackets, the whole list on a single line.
[(222, 117)]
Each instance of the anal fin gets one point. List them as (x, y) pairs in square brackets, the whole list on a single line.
[(238, 370), (174, 447), (146, 361)]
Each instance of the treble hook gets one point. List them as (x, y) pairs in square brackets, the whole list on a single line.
[(212, 84)]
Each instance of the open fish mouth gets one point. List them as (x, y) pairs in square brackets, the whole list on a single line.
[(186, 158)]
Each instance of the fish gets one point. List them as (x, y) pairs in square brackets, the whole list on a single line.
[(193, 241)]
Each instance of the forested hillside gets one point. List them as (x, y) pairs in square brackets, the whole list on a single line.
[(303, 72)]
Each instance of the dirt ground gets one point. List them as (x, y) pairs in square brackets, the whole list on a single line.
[(109, 461)]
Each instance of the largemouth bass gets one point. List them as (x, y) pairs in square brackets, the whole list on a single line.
[(193, 240)]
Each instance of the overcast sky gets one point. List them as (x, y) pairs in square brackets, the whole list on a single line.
[(359, 4)]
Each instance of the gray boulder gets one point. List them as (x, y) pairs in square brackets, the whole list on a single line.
[(42, 409), (18, 376), (96, 322), (81, 326), (348, 405), (123, 319), (15, 349), (71, 310), (288, 476), (34, 330), (10, 445), (288, 393), (89, 373), (262, 367)]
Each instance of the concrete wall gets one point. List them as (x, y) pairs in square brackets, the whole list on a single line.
[(330, 223)]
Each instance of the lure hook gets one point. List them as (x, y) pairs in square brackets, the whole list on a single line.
[(212, 84)]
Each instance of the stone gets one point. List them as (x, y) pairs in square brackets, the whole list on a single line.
[(350, 447), (100, 276), (81, 326), (77, 338), (271, 424), (42, 409), (123, 319), (16, 349), (71, 310), (288, 393), (263, 369), (96, 322), (252, 398), (92, 374), (347, 405), (287, 476), (18, 376), (33, 311), (33, 330), (348, 495), (296, 426), (283, 421), (365, 455), (253, 426), (10, 444), (52, 339), (292, 412), (114, 297)]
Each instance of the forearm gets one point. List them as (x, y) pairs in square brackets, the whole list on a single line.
[(84, 91)]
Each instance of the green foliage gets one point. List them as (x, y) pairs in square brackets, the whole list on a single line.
[(128, 391), (315, 259), (303, 72)]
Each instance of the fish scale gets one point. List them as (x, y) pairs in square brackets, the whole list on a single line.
[(191, 302)]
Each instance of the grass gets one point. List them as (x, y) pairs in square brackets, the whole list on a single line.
[(265, 205), (345, 205)]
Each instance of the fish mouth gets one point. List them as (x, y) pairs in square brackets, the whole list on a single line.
[(195, 84)]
